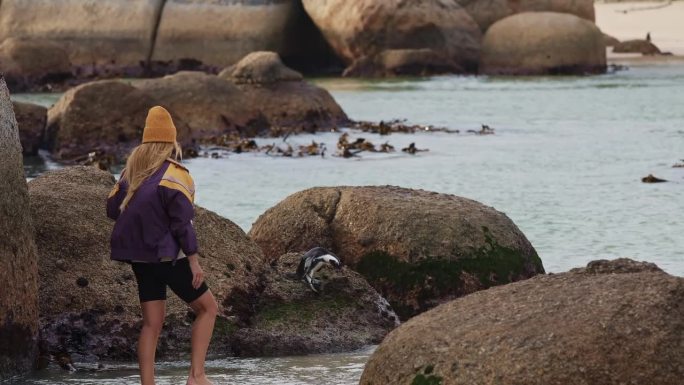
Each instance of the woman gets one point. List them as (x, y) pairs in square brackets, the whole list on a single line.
[(153, 207)]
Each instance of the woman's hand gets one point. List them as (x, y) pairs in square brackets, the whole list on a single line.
[(197, 272)]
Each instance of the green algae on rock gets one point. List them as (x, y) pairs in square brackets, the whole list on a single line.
[(417, 248)]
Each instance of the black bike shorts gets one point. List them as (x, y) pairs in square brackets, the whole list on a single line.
[(153, 278)]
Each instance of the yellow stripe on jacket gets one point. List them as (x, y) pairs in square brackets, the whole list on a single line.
[(178, 178)]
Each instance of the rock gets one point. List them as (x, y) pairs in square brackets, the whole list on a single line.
[(261, 67), (541, 43), (105, 116), (643, 47), (18, 259), (401, 62), (32, 120), (289, 319), (88, 302), (417, 248), (220, 32), (570, 328), (364, 28), (30, 63), (94, 33), (289, 103), (610, 41), (209, 105), (487, 12), (652, 179), (618, 266)]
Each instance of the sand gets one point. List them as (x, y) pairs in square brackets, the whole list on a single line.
[(633, 20)]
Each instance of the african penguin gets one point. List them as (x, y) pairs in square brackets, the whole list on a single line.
[(312, 261)]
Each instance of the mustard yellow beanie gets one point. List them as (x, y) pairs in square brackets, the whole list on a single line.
[(159, 126)]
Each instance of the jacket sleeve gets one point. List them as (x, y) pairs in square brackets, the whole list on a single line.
[(116, 196), (178, 202)]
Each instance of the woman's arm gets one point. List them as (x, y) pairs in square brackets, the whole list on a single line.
[(116, 196)]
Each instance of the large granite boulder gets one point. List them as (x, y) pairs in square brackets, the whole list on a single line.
[(361, 29), (18, 267), (32, 63), (32, 120), (403, 62), (612, 323), (417, 248), (220, 32), (643, 47), (88, 304), (209, 105), (112, 33), (487, 12), (106, 117), (289, 103), (282, 316), (541, 43)]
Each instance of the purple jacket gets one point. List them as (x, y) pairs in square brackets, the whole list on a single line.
[(157, 223)]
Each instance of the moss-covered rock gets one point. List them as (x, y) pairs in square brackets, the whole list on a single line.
[(417, 248), (284, 317)]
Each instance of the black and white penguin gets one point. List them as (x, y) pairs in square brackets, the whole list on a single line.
[(312, 261)]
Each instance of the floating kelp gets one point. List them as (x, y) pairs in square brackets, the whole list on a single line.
[(411, 149), (485, 130), (652, 179), (397, 126)]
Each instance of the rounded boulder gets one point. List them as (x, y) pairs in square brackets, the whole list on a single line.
[(543, 43), (83, 292), (32, 120), (598, 325), (209, 105), (289, 103), (364, 28), (417, 248)]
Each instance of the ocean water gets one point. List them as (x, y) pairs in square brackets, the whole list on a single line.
[(565, 164)]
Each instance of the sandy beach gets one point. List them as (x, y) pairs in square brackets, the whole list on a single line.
[(633, 20)]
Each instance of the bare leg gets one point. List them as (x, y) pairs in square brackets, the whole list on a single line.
[(153, 320), (206, 309)]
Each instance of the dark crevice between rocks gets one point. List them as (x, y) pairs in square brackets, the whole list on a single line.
[(158, 12), (306, 50), (18, 349)]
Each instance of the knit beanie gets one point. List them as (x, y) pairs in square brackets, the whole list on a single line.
[(159, 126)]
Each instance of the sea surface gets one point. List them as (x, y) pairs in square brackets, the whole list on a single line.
[(565, 164)]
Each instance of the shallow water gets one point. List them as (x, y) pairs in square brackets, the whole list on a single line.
[(565, 165)]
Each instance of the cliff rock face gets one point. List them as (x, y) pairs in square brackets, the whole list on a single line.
[(18, 265)]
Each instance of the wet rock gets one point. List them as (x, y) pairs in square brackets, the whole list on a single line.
[(569, 328), (102, 318), (30, 63), (209, 105), (427, 247), (18, 258), (105, 117), (288, 318), (93, 33), (290, 104), (643, 47), (541, 43), (652, 179), (357, 29), (32, 120), (219, 33), (487, 12)]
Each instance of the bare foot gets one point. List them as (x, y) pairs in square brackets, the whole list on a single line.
[(201, 380)]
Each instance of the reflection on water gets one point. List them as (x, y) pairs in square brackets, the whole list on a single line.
[(333, 369)]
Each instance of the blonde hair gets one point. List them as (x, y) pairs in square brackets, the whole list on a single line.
[(144, 161)]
